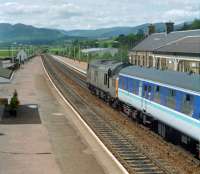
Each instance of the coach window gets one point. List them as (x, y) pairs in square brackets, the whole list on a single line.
[(145, 88), (149, 89), (171, 99), (157, 94), (122, 83), (134, 86), (149, 93), (187, 107), (145, 92), (126, 84)]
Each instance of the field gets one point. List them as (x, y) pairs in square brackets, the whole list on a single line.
[(7, 53)]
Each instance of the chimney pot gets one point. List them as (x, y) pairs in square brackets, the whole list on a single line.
[(169, 27), (151, 29)]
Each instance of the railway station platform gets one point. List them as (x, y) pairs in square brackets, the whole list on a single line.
[(56, 144), (81, 66)]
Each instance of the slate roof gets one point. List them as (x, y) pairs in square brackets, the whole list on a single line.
[(185, 45), (172, 78), (151, 42), (5, 73), (158, 40)]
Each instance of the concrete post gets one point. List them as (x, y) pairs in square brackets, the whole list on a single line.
[(137, 60), (160, 63), (154, 61), (176, 62)]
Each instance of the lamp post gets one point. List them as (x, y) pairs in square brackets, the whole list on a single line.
[(12, 51), (74, 53), (79, 52)]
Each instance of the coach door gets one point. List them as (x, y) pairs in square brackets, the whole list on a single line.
[(146, 94)]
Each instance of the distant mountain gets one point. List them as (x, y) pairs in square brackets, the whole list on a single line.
[(28, 34), (116, 31), (104, 32)]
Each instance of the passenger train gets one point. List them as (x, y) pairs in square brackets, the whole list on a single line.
[(168, 102)]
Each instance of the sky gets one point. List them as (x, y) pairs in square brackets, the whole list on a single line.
[(93, 14)]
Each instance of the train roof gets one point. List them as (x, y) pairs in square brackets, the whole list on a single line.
[(170, 78), (105, 64)]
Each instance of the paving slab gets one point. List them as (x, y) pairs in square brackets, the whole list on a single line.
[(60, 144)]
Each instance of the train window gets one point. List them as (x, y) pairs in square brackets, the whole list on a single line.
[(149, 88), (95, 76), (126, 84), (157, 89), (172, 93), (171, 101), (145, 88), (187, 97), (135, 87), (187, 106), (156, 97), (105, 79)]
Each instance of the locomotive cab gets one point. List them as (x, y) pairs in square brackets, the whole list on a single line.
[(102, 78)]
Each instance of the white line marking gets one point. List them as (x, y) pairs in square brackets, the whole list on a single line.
[(121, 167)]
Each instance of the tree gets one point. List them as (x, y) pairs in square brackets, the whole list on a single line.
[(115, 44), (14, 104), (105, 45), (106, 55), (140, 32), (193, 26), (130, 40), (185, 26)]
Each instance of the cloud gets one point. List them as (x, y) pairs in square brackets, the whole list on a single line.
[(83, 14)]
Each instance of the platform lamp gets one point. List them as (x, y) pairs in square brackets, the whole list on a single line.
[(12, 54)]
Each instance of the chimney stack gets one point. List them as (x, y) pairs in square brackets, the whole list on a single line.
[(151, 29), (169, 27)]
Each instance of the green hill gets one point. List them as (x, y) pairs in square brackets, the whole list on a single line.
[(28, 34)]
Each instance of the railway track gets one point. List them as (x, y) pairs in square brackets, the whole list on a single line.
[(132, 157)]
